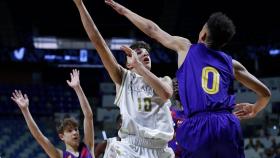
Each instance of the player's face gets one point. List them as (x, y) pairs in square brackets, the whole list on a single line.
[(144, 57), (71, 136)]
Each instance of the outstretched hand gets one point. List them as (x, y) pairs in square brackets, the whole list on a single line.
[(75, 79), (21, 100), (245, 111), (116, 6), (133, 59)]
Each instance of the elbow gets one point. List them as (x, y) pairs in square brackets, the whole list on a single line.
[(152, 30), (89, 116), (267, 93)]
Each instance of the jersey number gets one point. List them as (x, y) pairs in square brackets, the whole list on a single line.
[(147, 104), (215, 81)]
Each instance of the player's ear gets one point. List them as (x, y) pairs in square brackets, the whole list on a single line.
[(61, 136), (203, 36)]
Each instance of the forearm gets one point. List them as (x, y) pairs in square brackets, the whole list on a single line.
[(162, 89), (145, 25), (35, 131), (263, 96), (261, 103), (83, 102), (104, 52), (37, 134), (251, 82)]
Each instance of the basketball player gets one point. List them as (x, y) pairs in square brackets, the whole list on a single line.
[(177, 114), (67, 130), (106, 147), (142, 97), (205, 75)]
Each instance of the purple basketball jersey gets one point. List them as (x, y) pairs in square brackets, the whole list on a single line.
[(83, 152), (205, 80)]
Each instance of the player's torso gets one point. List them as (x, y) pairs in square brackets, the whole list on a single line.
[(142, 109), (205, 79)]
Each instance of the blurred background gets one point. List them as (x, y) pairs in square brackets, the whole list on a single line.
[(41, 41)]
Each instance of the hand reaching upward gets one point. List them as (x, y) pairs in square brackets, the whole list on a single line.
[(133, 59), (75, 78), (21, 100)]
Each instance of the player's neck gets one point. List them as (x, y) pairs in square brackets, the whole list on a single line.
[(135, 71), (72, 150)]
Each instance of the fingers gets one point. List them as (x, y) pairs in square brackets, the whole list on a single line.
[(17, 94), (239, 113), (25, 96), (76, 72), (128, 51), (239, 106), (71, 75), (13, 98), (68, 82), (14, 95), (109, 2)]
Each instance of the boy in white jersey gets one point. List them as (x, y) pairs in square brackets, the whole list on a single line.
[(141, 96)]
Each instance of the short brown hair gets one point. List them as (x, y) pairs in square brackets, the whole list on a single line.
[(65, 123)]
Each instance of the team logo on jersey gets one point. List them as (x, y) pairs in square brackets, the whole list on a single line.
[(179, 122)]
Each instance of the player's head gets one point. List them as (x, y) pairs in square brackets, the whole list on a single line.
[(68, 131), (217, 31), (142, 49)]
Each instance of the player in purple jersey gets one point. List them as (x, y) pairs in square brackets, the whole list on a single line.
[(205, 75), (177, 116), (68, 128)]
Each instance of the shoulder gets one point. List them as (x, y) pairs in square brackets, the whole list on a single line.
[(237, 65)]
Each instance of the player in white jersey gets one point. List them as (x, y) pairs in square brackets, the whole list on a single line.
[(106, 148), (141, 96), (110, 151), (147, 123)]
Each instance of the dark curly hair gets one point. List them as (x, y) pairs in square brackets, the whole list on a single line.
[(221, 29), (140, 44)]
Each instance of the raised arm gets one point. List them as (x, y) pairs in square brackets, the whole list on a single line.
[(247, 110), (88, 116), (109, 61), (23, 102), (163, 88), (178, 44)]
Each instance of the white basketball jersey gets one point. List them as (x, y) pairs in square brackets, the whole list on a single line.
[(110, 151), (143, 113)]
